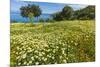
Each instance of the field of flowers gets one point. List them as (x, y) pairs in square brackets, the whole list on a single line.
[(52, 43)]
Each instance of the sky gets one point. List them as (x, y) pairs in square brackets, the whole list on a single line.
[(47, 8)]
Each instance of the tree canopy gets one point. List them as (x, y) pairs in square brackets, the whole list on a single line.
[(68, 13), (57, 16), (30, 11), (65, 14), (85, 13)]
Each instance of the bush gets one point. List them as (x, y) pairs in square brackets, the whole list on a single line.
[(87, 13), (67, 13), (41, 20), (49, 20)]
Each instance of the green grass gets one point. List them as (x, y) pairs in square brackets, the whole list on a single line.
[(52, 43)]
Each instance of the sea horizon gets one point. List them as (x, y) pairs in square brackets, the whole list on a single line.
[(16, 17)]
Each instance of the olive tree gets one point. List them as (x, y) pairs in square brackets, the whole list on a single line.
[(30, 11)]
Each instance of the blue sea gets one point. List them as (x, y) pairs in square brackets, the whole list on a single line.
[(18, 18)]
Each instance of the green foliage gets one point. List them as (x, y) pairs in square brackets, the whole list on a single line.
[(31, 17), (57, 16), (63, 42), (50, 20), (85, 13), (41, 20), (67, 13), (47, 20), (30, 11)]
